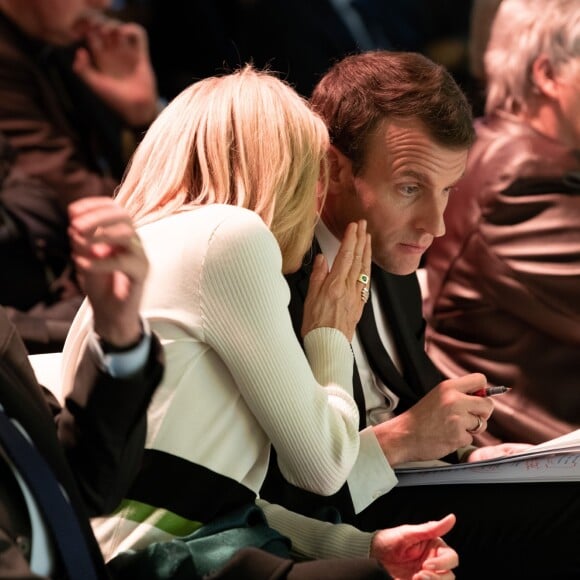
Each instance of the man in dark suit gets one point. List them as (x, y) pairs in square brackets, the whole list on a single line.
[(97, 445), (400, 131)]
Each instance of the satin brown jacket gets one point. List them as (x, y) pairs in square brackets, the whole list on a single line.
[(504, 281)]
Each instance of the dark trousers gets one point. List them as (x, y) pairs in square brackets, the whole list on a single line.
[(503, 531)]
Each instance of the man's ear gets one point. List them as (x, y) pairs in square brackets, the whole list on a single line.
[(544, 77), (339, 170)]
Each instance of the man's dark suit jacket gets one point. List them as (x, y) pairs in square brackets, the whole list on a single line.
[(101, 434), (400, 297), (494, 520)]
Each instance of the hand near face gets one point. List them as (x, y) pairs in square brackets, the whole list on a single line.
[(117, 68), (335, 297), (111, 265), (416, 552)]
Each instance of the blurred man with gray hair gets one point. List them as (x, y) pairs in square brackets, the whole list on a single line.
[(504, 280)]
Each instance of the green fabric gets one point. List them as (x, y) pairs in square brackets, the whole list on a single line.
[(167, 521), (204, 551)]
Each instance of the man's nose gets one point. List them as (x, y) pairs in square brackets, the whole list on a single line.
[(431, 219)]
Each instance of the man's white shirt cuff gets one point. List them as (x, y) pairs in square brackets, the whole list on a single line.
[(372, 476)]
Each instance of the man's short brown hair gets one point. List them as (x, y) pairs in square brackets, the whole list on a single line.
[(361, 90)]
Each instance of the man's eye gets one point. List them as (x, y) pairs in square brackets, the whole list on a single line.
[(409, 189)]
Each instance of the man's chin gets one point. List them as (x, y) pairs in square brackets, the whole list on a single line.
[(398, 267)]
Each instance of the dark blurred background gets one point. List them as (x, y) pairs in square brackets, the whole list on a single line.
[(192, 39)]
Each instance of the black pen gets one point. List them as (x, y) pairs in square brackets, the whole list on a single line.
[(491, 391)]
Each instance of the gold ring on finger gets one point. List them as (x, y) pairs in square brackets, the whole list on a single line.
[(364, 294), (478, 428)]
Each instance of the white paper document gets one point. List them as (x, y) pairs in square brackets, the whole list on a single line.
[(554, 460)]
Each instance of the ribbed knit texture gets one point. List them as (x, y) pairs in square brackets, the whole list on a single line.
[(236, 378), (317, 539)]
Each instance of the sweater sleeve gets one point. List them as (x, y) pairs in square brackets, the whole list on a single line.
[(313, 424), (315, 539)]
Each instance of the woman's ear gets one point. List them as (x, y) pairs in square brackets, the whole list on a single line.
[(544, 77)]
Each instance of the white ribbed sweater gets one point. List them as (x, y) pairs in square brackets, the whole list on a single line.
[(236, 378)]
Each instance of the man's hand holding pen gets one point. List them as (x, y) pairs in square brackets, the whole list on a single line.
[(493, 451), (443, 421), (438, 424)]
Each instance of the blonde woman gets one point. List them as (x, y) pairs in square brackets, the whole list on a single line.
[(225, 188)]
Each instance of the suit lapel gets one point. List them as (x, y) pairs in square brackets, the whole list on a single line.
[(378, 357), (400, 298)]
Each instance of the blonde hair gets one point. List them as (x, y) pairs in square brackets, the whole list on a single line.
[(245, 139), (522, 31)]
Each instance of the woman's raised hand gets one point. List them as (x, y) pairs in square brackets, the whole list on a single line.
[(336, 297)]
